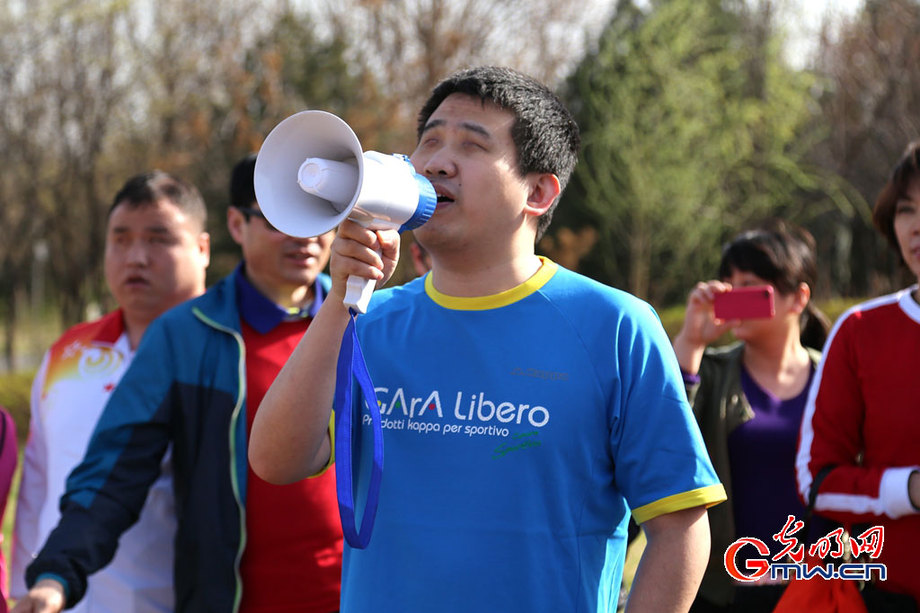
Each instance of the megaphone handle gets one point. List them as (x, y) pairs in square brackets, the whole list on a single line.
[(358, 292)]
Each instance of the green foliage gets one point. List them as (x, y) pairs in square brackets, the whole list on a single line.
[(692, 131), (14, 397), (313, 71), (869, 97)]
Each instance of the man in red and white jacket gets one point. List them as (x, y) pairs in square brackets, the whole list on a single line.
[(156, 255)]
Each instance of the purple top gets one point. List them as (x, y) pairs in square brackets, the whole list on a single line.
[(762, 452)]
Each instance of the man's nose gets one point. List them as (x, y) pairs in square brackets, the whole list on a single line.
[(440, 163), (137, 254)]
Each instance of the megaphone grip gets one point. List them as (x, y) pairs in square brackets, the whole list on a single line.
[(358, 292)]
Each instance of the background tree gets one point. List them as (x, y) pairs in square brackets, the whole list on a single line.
[(694, 126), (693, 130), (870, 100), (408, 45), (97, 91), (204, 95), (58, 104)]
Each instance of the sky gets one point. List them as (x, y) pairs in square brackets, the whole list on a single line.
[(804, 19)]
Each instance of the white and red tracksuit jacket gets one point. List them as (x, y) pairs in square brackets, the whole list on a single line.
[(69, 392)]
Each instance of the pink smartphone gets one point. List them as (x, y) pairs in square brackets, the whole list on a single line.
[(752, 302)]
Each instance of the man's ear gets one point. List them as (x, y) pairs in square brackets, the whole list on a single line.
[(544, 189), (204, 248), (235, 223)]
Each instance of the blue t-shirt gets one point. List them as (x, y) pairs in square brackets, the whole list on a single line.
[(519, 430)]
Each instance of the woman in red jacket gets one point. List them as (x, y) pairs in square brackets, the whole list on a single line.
[(862, 420)]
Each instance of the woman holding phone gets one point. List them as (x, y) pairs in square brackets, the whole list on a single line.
[(749, 396), (862, 420)]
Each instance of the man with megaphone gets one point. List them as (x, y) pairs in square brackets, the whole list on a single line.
[(524, 408)]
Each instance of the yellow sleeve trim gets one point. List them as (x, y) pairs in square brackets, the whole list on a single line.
[(710, 495), (331, 432)]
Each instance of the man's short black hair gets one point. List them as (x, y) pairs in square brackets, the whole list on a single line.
[(151, 187), (544, 132), (242, 186)]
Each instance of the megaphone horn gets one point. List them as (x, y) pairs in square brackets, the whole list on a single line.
[(311, 174)]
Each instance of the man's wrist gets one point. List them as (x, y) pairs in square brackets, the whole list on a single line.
[(51, 581), (334, 303), (913, 489)]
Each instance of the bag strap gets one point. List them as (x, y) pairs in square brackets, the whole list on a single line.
[(812, 498), (813, 490)]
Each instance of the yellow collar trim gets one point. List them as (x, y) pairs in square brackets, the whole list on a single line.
[(494, 301)]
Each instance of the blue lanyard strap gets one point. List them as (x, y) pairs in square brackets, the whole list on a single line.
[(351, 366)]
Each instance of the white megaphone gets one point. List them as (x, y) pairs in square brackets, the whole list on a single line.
[(311, 174)]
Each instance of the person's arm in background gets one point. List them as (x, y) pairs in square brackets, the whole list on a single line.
[(46, 596), (675, 556), (32, 488), (289, 439), (832, 435), (700, 327)]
